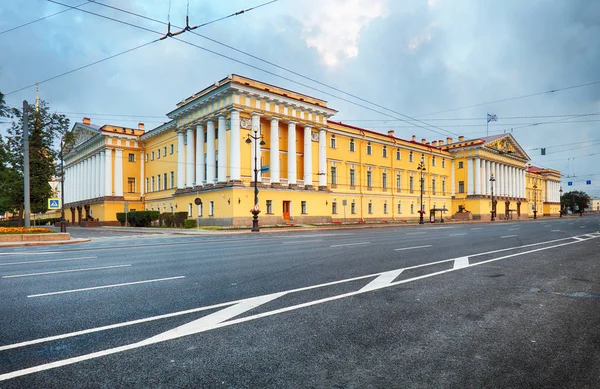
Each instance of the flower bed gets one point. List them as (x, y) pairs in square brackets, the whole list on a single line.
[(23, 230)]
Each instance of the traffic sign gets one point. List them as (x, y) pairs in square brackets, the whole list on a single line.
[(570, 183), (53, 203), (588, 182)]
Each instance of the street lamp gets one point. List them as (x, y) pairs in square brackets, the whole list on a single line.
[(492, 180), (255, 210), (534, 201), (421, 167), (63, 224), (561, 206)]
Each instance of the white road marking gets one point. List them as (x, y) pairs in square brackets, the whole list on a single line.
[(476, 228), (349, 244), (384, 279), (302, 241), (416, 233), (105, 286), (65, 271), (464, 233), (461, 262), (146, 342), (582, 226), (411, 248), (45, 260), (513, 229), (508, 236), (554, 230)]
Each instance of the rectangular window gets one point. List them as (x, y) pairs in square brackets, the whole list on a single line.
[(131, 184), (398, 183), (333, 175), (460, 164), (165, 151), (352, 177), (433, 161), (370, 208), (332, 142), (303, 207), (461, 187), (146, 184), (211, 208), (384, 180), (412, 208), (152, 156), (172, 180), (152, 183), (352, 145), (369, 148), (443, 162), (200, 210), (158, 182), (410, 157), (384, 152), (353, 208), (398, 155), (172, 148), (189, 209), (131, 157), (158, 154), (411, 184), (334, 208), (269, 206), (369, 179), (146, 157), (165, 181), (399, 208), (443, 187), (385, 208), (433, 185)]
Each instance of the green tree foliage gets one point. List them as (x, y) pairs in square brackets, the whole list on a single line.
[(45, 130), (575, 201)]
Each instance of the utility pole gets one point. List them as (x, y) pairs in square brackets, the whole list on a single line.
[(27, 204)]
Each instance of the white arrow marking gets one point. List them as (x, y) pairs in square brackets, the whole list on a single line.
[(385, 279)]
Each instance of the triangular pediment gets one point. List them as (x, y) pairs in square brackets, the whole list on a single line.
[(506, 145), (82, 133)]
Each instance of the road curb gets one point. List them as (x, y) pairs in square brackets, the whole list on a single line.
[(44, 243)]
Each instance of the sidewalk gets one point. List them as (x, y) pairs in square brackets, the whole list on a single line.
[(43, 243)]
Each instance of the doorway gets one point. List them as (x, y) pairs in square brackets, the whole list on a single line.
[(286, 210)]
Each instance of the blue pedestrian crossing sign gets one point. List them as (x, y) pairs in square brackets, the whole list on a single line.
[(570, 183), (588, 182), (53, 203)]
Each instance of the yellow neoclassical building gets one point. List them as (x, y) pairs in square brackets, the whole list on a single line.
[(310, 168)]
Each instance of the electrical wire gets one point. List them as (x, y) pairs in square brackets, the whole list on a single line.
[(45, 17)]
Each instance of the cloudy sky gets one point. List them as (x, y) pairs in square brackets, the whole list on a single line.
[(445, 62)]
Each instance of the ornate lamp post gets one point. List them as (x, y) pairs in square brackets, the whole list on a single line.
[(561, 206), (421, 168), (534, 201), (492, 180), (255, 210)]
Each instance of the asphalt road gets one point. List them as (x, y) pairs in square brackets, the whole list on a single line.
[(454, 306)]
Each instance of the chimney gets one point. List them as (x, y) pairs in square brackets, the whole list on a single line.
[(86, 121), (448, 140), (414, 138), (141, 126), (423, 140), (461, 138), (391, 133), (441, 142), (434, 143)]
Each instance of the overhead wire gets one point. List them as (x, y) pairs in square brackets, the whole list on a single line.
[(45, 17)]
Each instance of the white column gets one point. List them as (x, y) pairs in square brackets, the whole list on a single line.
[(487, 177), (470, 183), (292, 153), (142, 182), (235, 168), (108, 176), (200, 164), (322, 157), (452, 184), (510, 181), (189, 158), (94, 177), (180, 160), (81, 182), (274, 157), (222, 150), (477, 176), (255, 147), (102, 162), (307, 156), (118, 172), (98, 175), (211, 169), (77, 183), (504, 180), (88, 178), (514, 181), (497, 175)]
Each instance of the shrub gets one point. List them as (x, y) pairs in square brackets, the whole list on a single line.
[(173, 219), (190, 223), (138, 218)]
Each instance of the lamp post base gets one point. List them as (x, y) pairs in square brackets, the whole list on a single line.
[(255, 222), (535, 214), (421, 219), (63, 226)]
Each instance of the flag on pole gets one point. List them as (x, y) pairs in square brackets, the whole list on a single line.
[(492, 117)]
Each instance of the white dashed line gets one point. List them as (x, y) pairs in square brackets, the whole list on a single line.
[(555, 231), (104, 286), (508, 236), (65, 271), (464, 233), (302, 241), (349, 244), (45, 260), (410, 248)]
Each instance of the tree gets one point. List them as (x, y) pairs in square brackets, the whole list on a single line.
[(576, 201), (44, 130)]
